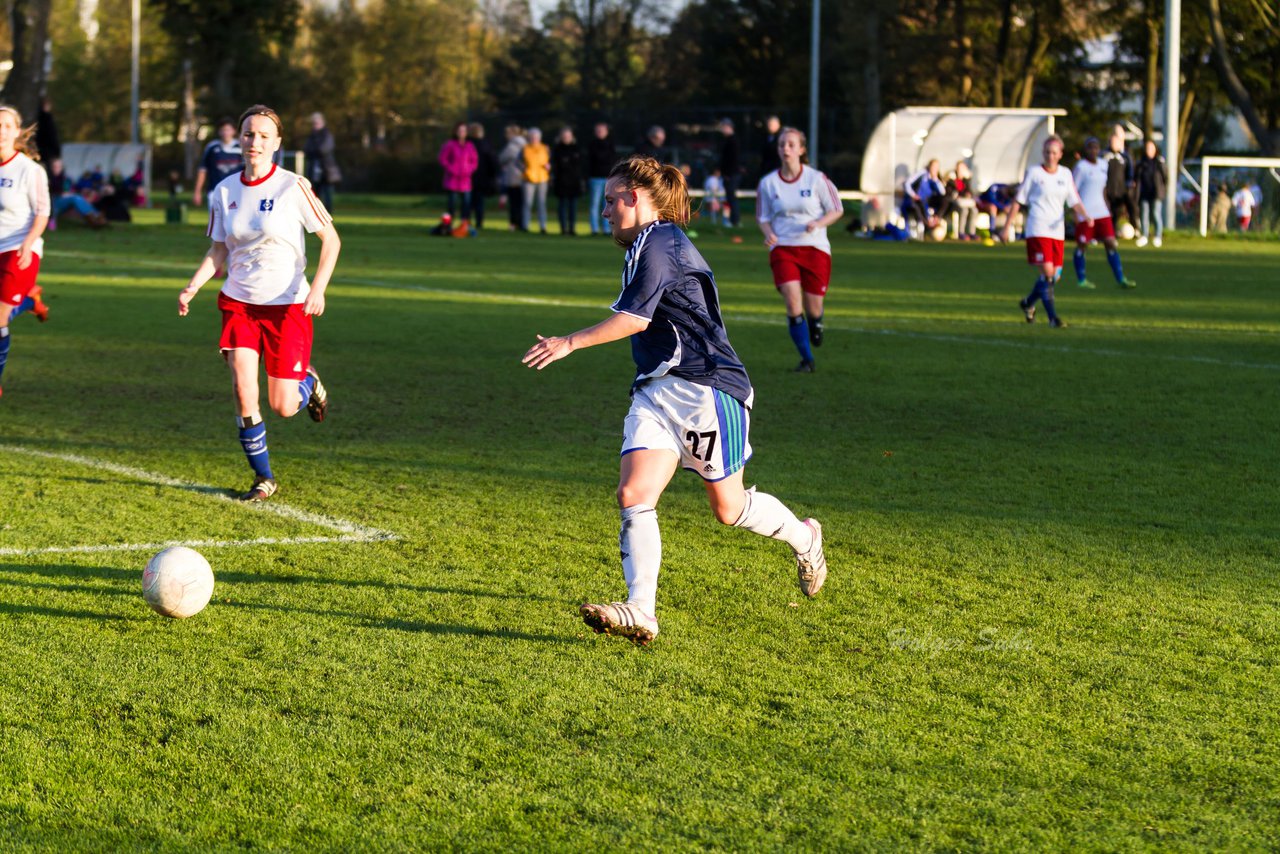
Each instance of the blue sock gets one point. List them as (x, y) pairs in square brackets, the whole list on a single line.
[(1113, 258), (4, 348), (306, 385), (253, 438), (1046, 297), (26, 305), (1035, 292), (1079, 261), (799, 329)]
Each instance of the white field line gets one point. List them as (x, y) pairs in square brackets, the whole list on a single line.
[(520, 299), (348, 532)]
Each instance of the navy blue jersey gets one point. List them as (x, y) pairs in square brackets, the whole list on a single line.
[(666, 282), (220, 160)]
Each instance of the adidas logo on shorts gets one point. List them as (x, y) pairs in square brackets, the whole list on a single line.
[(708, 468)]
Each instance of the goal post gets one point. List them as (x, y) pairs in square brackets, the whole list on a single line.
[(1271, 164)]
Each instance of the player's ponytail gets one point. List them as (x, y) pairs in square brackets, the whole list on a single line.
[(25, 134), (663, 182)]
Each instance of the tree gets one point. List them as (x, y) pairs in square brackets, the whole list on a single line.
[(29, 28)]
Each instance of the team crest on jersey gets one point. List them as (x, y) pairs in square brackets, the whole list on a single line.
[(804, 194), (6, 182), (266, 204)]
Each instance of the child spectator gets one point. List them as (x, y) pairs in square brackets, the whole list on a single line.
[(713, 195)]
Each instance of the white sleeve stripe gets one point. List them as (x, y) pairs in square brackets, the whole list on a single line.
[(614, 308)]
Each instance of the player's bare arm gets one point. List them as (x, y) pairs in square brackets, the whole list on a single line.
[(330, 245), (215, 258), (554, 348)]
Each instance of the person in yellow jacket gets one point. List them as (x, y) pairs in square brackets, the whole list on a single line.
[(537, 175)]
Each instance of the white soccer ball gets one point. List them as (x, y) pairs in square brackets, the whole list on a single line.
[(1126, 231), (177, 582)]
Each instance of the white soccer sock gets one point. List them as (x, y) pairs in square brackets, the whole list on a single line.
[(641, 545), (769, 517)]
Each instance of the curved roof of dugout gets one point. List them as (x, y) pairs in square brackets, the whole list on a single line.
[(998, 144)]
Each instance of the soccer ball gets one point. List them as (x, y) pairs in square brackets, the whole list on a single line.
[(177, 582), (1126, 231)]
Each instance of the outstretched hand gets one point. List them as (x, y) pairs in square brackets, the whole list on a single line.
[(546, 351)]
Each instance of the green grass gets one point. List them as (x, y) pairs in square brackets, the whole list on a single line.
[(1051, 620)]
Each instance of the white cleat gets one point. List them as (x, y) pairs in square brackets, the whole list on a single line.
[(811, 567), (1157, 242), (1140, 242), (622, 620)]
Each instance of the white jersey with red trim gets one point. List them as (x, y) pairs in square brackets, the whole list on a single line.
[(1091, 183), (24, 195), (264, 225), (1045, 195), (789, 206)]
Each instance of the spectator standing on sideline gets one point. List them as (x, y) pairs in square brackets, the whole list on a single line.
[(322, 164), (511, 162), (1220, 209), (1120, 179), (601, 155), (221, 158), (458, 157), (1150, 177), (484, 182), (713, 196), (769, 160), (566, 179), (653, 144), (1244, 203), (48, 146), (536, 159), (730, 170)]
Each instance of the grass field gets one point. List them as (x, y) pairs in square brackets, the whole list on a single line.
[(1050, 624)]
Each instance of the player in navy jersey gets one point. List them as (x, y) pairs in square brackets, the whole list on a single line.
[(257, 222), (222, 157), (24, 213), (794, 206), (691, 397)]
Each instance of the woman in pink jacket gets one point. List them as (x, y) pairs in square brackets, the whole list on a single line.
[(459, 159)]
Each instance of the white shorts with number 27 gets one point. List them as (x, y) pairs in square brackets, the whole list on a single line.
[(704, 426)]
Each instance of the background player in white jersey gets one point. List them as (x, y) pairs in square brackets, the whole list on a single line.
[(794, 206), (256, 225), (1044, 192), (24, 213), (1090, 176), (691, 397)]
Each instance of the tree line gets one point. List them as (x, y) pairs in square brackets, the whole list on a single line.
[(392, 75)]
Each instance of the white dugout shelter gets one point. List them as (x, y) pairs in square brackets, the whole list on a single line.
[(998, 144)]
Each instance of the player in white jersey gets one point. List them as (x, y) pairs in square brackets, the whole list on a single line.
[(1090, 176), (257, 225), (1044, 192), (24, 213), (794, 205)]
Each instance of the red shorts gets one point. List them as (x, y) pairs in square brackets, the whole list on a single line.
[(1041, 250), (1101, 229), (15, 284), (280, 334), (808, 265)]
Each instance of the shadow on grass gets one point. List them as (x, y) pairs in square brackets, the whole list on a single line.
[(42, 611), (394, 624), (134, 577)]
